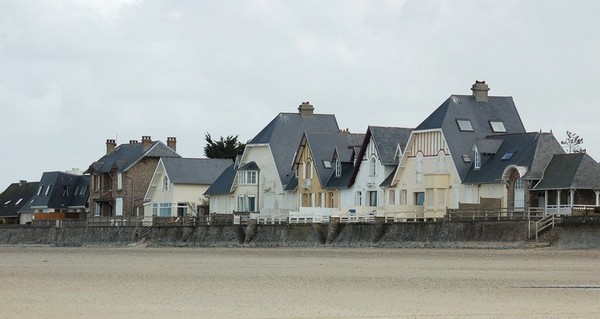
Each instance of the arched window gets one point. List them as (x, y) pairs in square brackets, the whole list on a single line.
[(441, 161), (165, 183), (373, 166), (308, 169)]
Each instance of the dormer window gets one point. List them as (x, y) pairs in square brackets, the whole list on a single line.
[(338, 168), (464, 125), (48, 190), (477, 160), (247, 177), (498, 126)]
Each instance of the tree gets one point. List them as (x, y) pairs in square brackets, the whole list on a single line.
[(228, 147), (572, 143)]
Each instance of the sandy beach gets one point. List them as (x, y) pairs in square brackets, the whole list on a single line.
[(142, 282)]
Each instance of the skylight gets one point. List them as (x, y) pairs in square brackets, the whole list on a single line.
[(466, 158), (326, 164), (508, 155), (498, 126), (464, 125)]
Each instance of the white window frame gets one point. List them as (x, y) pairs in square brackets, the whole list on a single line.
[(119, 181), (165, 184), (392, 197), (338, 168), (119, 206), (373, 166), (358, 198), (464, 125), (477, 162), (498, 126), (247, 177)]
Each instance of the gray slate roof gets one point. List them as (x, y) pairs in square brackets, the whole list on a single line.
[(498, 108), (15, 197), (387, 140), (323, 146), (126, 155), (570, 171), (283, 135), (222, 185), (66, 190), (194, 170), (531, 150)]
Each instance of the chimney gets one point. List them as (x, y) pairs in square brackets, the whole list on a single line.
[(172, 143), (480, 91), (21, 182), (133, 141), (146, 141), (306, 109), (110, 146)]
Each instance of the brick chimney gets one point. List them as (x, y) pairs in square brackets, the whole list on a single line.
[(146, 142), (480, 91), (110, 146), (306, 109), (172, 143)]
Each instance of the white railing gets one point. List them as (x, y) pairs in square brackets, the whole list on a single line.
[(266, 219), (310, 216), (404, 217), (352, 216), (542, 224)]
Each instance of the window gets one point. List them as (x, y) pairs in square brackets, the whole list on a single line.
[(507, 156), (392, 197), (464, 125), (247, 177), (120, 181), (165, 186), (441, 162), (419, 167), (17, 203), (519, 193), (373, 166), (182, 209), (403, 195), (155, 209), (7, 202), (466, 158), (477, 160), (165, 210), (83, 190), (498, 126), (358, 198), (326, 164), (39, 192), (98, 208), (97, 181), (338, 168), (429, 198), (119, 206), (47, 190), (251, 203), (419, 198), (372, 198), (65, 191), (308, 170)]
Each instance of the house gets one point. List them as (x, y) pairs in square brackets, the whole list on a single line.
[(324, 163), (60, 196), (570, 185), (120, 179), (263, 178), (377, 160), (13, 199), (178, 184), (439, 155)]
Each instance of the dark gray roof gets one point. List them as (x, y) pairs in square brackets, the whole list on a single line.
[(387, 140), (283, 135), (530, 150), (292, 185), (66, 190), (252, 166), (497, 108), (387, 182), (488, 145), (340, 182), (223, 183), (15, 197), (126, 155), (194, 170), (324, 144), (571, 171)]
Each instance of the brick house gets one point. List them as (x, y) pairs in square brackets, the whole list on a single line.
[(119, 180)]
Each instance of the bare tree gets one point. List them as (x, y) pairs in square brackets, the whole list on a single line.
[(572, 143)]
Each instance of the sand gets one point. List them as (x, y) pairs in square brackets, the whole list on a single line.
[(143, 282)]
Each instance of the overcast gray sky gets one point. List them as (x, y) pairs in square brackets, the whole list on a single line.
[(74, 73)]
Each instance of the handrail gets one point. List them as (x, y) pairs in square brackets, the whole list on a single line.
[(543, 224)]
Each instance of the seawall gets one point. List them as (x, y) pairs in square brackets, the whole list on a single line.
[(433, 234)]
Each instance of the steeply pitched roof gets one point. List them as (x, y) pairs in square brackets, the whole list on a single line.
[(15, 197), (387, 140), (464, 107), (222, 185), (194, 170), (66, 190), (126, 155), (324, 144), (283, 134), (571, 171), (530, 150)]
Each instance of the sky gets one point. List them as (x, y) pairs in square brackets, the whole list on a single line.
[(75, 73)]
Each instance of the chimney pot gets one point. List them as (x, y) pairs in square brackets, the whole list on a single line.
[(21, 182), (172, 143), (480, 91), (111, 144), (133, 141), (306, 109)]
